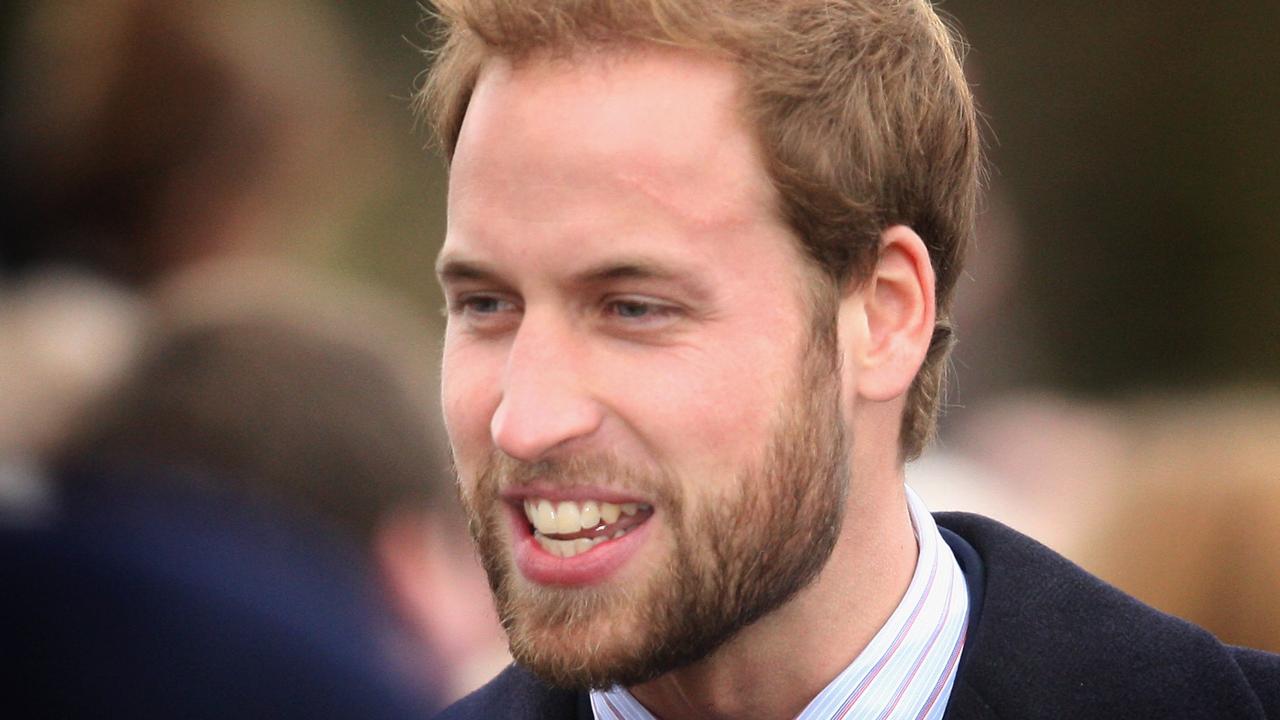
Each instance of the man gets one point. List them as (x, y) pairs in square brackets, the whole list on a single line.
[(698, 267)]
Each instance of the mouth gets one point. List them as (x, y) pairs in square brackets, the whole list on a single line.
[(578, 536), (569, 528)]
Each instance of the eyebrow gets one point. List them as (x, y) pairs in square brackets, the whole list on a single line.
[(454, 269), (627, 270), (644, 269)]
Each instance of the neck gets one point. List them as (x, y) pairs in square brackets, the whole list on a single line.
[(774, 667)]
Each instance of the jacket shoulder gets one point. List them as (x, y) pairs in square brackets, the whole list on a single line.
[(1263, 671), (1050, 640), (517, 694)]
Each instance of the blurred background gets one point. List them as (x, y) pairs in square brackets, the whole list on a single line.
[(216, 175)]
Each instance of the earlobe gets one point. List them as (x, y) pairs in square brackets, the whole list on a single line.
[(898, 305)]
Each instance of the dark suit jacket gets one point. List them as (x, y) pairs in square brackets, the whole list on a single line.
[(1046, 640)]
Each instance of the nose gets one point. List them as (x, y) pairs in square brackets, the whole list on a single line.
[(546, 403)]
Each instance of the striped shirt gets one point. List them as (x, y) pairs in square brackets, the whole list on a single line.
[(907, 669)]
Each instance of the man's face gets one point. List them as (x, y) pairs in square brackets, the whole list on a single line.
[(644, 421)]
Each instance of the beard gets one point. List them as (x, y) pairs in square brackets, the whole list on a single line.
[(743, 554)]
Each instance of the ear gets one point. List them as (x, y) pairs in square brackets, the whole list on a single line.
[(889, 318), (410, 567), (437, 589)]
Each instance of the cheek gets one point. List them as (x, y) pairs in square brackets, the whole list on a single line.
[(469, 396), (705, 412)]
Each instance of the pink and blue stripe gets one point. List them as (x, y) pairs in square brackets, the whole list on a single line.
[(908, 668)]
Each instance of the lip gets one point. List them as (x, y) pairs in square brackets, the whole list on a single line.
[(595, 566)]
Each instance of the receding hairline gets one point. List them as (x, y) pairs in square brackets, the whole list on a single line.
[(652, 148)]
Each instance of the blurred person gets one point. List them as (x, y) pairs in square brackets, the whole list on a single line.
[(1018, 455), (141, 137), (1171, 499), (63, 337), (193, 565), (145, 142), (1195, 524), (302, 399), (150, 596), (698, 267), (270, 462), (404, 522), (145, 135)]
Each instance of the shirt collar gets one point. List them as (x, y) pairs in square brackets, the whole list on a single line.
[(908, 668)]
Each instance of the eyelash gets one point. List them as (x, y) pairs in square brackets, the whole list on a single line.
[(467, 303), (652, 311)]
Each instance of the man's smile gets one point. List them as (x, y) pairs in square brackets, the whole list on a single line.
[(574, 536), (568, 528)]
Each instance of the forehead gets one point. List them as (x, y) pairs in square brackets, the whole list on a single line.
[(646, 126)]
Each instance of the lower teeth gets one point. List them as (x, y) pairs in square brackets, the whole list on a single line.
[(570, 548)]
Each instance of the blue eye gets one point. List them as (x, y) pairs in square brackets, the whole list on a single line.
[(639, 312), (484, 312), (482, 305), (632, 309)]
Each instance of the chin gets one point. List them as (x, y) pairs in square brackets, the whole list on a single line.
[(582, 639)]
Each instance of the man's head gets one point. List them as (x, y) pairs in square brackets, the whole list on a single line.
[(862, 114), (678, 261)]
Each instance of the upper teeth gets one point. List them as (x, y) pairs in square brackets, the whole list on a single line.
[(568, 516)]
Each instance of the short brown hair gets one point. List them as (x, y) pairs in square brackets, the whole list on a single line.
[(300, 396), (862, 110)]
